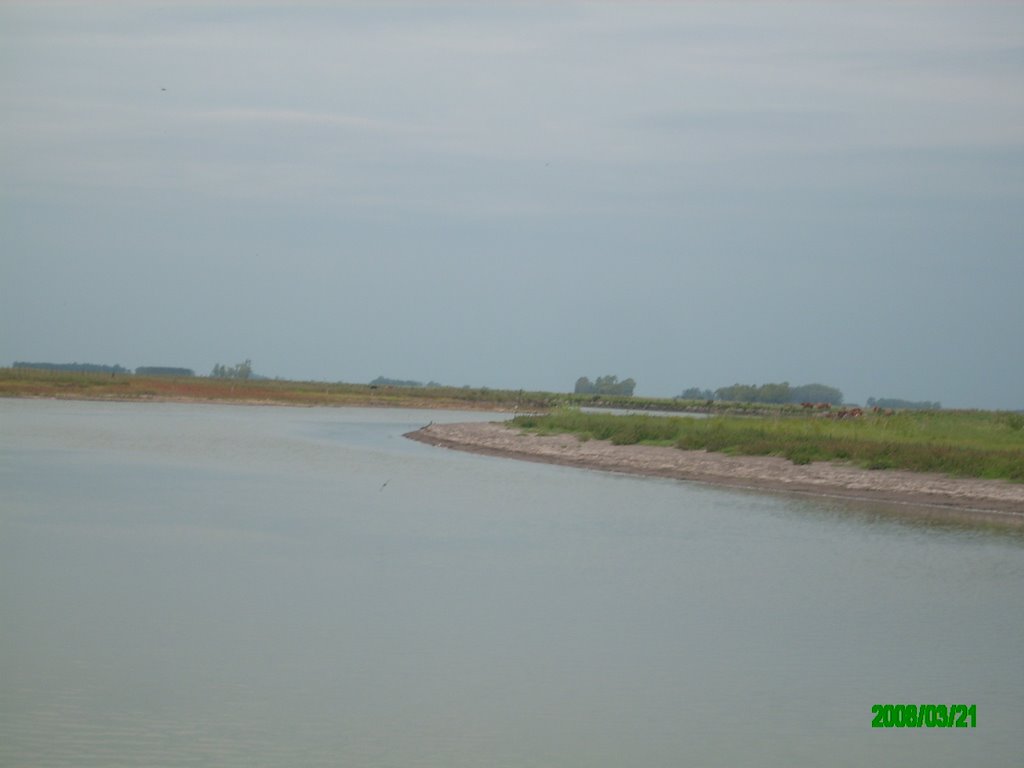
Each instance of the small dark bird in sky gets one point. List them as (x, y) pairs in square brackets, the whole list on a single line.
[(163, 89), (385, 483)]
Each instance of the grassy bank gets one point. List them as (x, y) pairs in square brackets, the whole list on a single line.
[(981, 444)]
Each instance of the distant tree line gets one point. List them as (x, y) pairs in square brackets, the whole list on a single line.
[(237, 371), (74, 367), (695, 393), (382, 381), (161, 370), (605, 385), (768, 393), (911, 405)]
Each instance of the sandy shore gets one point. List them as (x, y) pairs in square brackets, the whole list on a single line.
[(996, 500)]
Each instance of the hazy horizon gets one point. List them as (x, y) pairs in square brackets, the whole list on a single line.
[(514, 195), (397, 381)]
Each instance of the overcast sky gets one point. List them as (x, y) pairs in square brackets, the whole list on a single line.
[(519, 194)]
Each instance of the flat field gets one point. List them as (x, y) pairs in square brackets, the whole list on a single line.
[(25, 382)]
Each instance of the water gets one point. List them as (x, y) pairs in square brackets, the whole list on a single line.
[(230, 585)]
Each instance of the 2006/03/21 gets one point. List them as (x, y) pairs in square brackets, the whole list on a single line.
[(927, 715)]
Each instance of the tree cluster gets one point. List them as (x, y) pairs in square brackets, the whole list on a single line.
[(157, 370), (74, 367), (382, 381), (695, 393), (896, 403), (238, 371), (605, 385), (769, 393)]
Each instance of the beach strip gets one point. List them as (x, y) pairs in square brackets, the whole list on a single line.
[(995, 500)]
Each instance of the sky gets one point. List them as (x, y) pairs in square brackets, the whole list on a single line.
[(517, 194)]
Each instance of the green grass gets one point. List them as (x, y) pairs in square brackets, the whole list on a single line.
[(982, 444)]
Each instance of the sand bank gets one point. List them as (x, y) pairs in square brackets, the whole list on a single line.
[(991, 499)]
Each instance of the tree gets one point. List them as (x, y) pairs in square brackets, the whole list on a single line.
[(238, 371), (774, 393), (605, 385), (739, 393), (626, 387), (584, 386), (695, 393)]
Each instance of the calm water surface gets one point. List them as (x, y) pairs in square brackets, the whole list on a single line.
[(246, 586)]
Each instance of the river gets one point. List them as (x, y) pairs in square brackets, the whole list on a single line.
[(190, 584)]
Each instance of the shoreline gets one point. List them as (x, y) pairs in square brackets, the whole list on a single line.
[(965, 498), (425, 405)]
